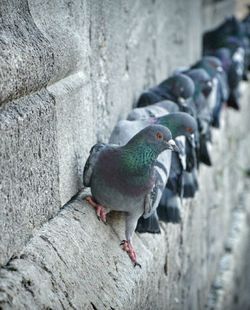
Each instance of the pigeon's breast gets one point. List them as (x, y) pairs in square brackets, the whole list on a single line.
[(113, 188)]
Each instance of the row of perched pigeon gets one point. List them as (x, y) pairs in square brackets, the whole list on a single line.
[(137, 172)]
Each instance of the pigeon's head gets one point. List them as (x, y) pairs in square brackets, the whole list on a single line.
[(202, 80), (231, 26), (179, 124), (212, 65), (156, 138), (147, 98), (224, 55), (180, 86)]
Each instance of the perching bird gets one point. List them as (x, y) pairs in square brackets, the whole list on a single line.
[(216, 68), (235, 75), (203, 87), (177, 88), (179, 124), (231, 35), (219, 36), (154, 110), (173, 175), (124, 178), (170, 205), (220, 92)]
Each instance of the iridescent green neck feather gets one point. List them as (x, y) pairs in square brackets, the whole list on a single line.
[(171, 123), (138, 157)]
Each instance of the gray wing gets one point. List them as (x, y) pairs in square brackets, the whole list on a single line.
[(146, 112), (90, 163), (153, 198), (125, 130)]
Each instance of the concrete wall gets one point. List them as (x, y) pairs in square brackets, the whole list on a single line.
[(75, 262), (69, 71)]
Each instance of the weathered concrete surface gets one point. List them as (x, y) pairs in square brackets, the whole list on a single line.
[(214, 12), (28, 169), (75, 262), (230, 288), (94, 58), (76, 68)]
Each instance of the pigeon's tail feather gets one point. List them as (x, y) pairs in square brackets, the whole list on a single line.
[(190, 184), (189, 190), (169, 209), (233, 103), (80, 195), (149, 225), (216, 121), (204, 155)]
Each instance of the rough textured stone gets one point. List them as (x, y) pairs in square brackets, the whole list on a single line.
[(230, 286), (215, 11), (76, 68), (94, 58), (75, 262), (28, 169)]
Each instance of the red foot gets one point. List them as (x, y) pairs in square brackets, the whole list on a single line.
[(100, 210), (127, 247)]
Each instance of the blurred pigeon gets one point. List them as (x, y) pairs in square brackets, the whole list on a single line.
[(220, 86), (177, 88), (154, 110), (231, 35), (190, 184), (233, 65), (169, 210), (235, 75), (215, 66), (203, 87), (219, 37), (123, 178)]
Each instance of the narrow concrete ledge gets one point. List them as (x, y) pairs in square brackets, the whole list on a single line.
[(229, 289), (75, 262)]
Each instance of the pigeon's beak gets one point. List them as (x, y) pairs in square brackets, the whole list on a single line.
[(172, 146), (210, 84), (181, 100), (220, 69)]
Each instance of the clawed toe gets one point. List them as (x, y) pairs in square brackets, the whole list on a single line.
[(100, 210), (127, 247), (137, 264)]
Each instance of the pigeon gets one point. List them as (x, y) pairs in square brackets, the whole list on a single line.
[(220, 86), (177, 88), (214, 66), (233, 65), (153, 110), (231, 35), (169, 209), (219, 37), (124, 178), (173, 191), (190, 184), (179, 124), (203, 87), (235, 75), (170, 204)]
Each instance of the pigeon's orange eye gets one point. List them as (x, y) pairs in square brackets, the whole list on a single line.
[(159, 136), (189, 129)]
